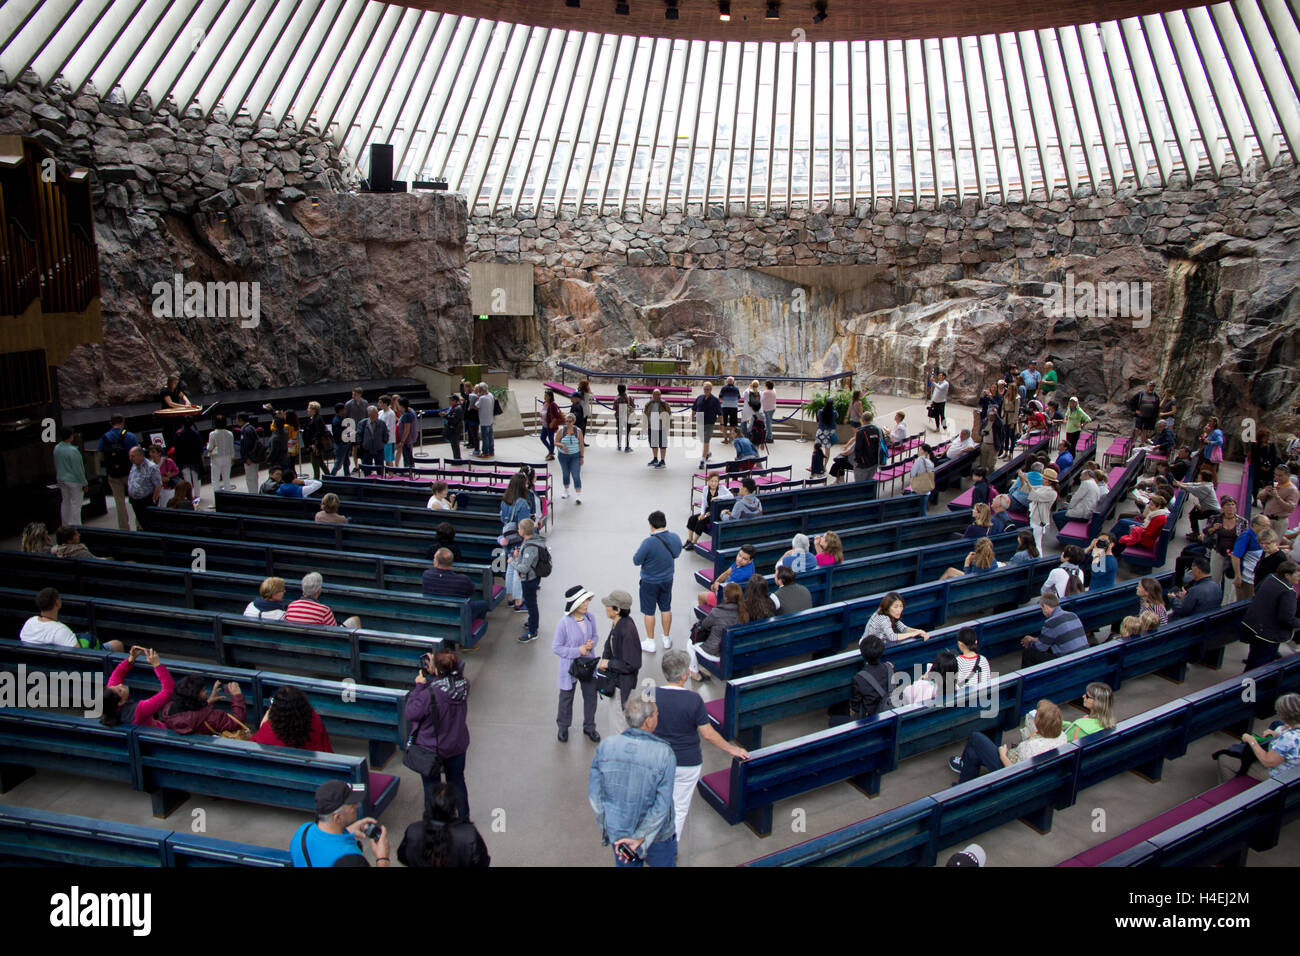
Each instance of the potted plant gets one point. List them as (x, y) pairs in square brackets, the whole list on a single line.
[(841, 399)]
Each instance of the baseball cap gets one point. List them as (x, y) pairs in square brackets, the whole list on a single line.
[(334, 794), (973, 855), (619, 599)]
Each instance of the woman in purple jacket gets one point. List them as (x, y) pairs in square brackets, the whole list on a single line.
[(575, 636), (444, 730)]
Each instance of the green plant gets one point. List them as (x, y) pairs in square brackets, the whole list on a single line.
[(500, 393), (841, 399)]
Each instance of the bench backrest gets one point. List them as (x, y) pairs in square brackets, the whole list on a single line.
[(803, 499), (359, 512)]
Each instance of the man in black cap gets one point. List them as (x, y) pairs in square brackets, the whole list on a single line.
[(337, 830)]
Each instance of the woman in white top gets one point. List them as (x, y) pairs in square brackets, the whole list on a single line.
[(1048, 734), (941, 675), (1067, 577), (887, 623), (898, 434), (221, 452), (441, 499)]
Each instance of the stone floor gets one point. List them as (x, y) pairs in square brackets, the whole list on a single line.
[(528, 791)]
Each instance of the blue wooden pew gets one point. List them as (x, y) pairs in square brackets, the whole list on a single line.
[(749, 703), (41, 838), (864, 750), (1079, 532), (1142, 558), (417, 518), (782, 526), (232, 640), (373, 714), (827, 630), (878, 573), (291, 563), (31, 739), (447, 619), (808, 499), (1001, 477), (915, 833), (367, 539)]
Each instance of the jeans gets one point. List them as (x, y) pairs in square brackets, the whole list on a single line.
[(661, 853), (767, 417), (980, 752), (453, 768), (486, 444), (548, 439), (342, 457), (530, 601), (73, 499), (571, 467), (408, 456), (514, 588), (1061, 518), (564, 715)]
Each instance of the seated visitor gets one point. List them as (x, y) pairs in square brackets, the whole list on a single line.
[(1102, 565), (790, 597), (934, 683), (45, 629), (869, 691), (1082, 503), (441, 581), (36, 539), (981, 493), (1000, 508), (1203, 594), (829, 548), (980, 561), (441, 499), (1026, 549), (799, 558), (1067, 577), (747, 505), (1275, 750), (290, 721), (1144, 533), (697, 525), (335, 837), (887, 623), (972, 667), (739, 573), (981, 524), (182, 498), (68, 544), (980, 752), (329, 510), (1062, 633), (269, 605), (1097, 701), (1151, 597), (708, 634), (119, 708), (193, 708), (306, 609)]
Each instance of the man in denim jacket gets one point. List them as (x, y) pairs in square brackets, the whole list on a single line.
[(631, 790)]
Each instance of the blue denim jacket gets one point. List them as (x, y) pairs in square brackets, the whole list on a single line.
[(631, 788)]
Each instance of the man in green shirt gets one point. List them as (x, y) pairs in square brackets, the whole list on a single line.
[(1048, 385), (70, 472), (1075, 419)]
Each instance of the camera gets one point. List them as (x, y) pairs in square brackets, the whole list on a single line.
[(372, 831), (626, 853)]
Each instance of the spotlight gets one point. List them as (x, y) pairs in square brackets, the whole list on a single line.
[(773, 11), (671, 12), (315, 201), (622, 9), (724, 10), (821, 11), (573, 3)]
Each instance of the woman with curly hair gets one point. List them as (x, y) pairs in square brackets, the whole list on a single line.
[(291, 722), (443, 838), (36, 539)]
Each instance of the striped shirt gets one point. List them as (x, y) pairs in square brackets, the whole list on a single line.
[(1062, 633), (303, 611)]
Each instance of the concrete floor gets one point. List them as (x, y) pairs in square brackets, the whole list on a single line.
[(528, 792)]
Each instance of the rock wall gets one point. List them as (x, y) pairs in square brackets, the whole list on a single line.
[(892, 291), (349, 285)]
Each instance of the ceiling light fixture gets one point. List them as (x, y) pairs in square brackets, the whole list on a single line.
[(573, 3), (671, 12), (773, 11), (820, 5), (724, 10), (622, 9)]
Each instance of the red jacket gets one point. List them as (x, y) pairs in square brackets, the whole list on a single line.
[(1145, 536), (217, 721), (319, 739)]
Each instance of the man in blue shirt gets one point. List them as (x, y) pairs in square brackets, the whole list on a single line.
[(630, 789), (337, 830), (1064, 460), (1062, 633), (657, 558), (406, 431), (1030, 377)]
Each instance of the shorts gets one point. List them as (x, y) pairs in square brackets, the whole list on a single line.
[(1147, 424), (708, 433), (389, 449), (656, 593), (731, 417)]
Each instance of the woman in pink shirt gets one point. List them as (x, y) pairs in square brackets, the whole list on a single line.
[(118, 706), (830, 550)]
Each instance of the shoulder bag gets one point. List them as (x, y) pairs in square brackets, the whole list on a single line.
[(421, 759)]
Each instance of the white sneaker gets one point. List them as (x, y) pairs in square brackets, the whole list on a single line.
[(564, 493), (577, 500), (668, 643), (648, 646)]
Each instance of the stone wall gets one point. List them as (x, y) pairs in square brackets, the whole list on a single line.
[(350, 285), (891, 291)]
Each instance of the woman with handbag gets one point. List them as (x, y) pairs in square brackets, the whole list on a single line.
[(552, 418), (290, 721), (192, 711), (921, 477), (621, 659), (1212, 440), (575, 637), (437, 710), (515, 508)]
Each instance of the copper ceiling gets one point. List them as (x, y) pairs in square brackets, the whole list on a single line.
[(880, 19)]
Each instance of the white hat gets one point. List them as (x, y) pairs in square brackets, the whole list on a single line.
[(973, 855), (576, 596)]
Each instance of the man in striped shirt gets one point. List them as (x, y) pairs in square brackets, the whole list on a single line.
[(1062, 633), (307, 610)]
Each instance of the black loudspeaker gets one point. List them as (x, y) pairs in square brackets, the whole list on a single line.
[(381, 167)]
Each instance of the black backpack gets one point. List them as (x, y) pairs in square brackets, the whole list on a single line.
[(259, 452), (117, 461), (542, 568), (496, 407)]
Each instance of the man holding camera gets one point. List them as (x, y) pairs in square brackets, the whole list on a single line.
[(630, 789), (337, 832)]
